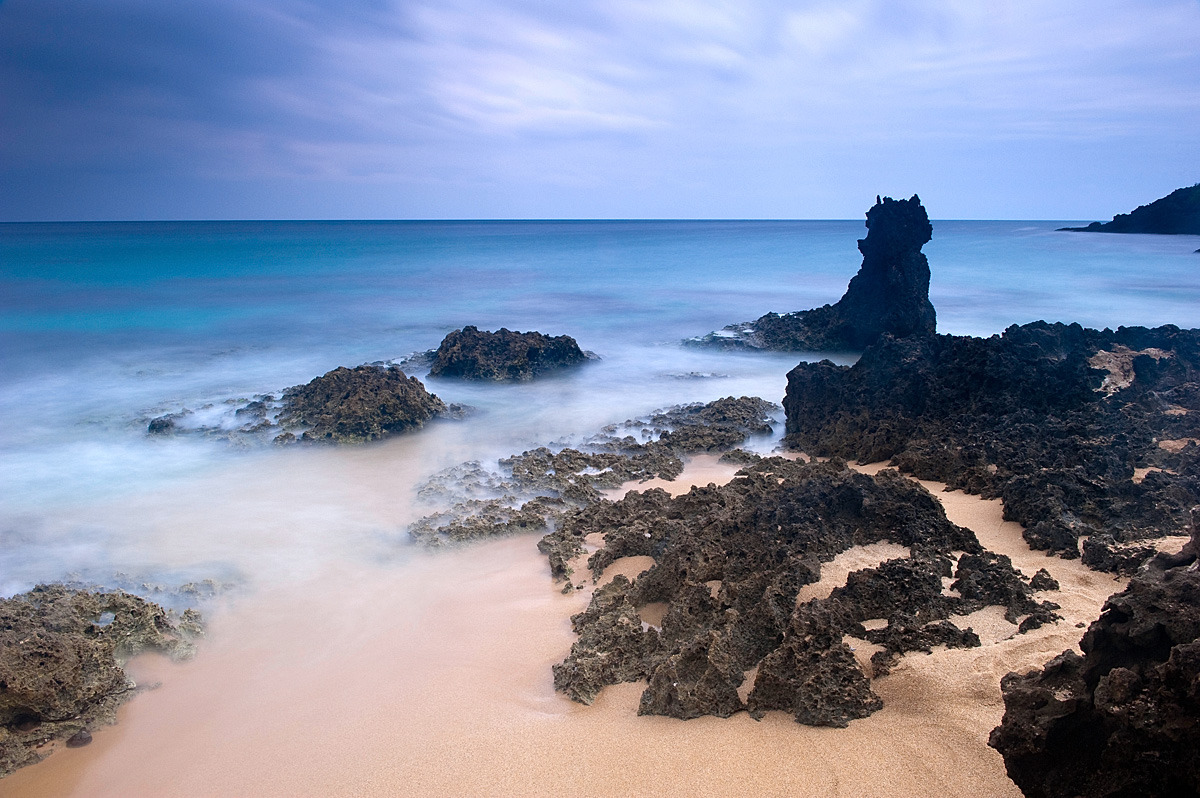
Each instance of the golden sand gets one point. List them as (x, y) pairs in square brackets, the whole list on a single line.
[(432, 678)]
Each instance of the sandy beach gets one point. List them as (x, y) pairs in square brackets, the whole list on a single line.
[(432, 677)]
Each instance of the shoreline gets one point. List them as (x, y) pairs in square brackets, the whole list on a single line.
[(433, 676)]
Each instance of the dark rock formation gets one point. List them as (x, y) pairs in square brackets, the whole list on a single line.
[(364, 403), (504, 355), (1178, 213), (1123, 719), (535, 488), (1053, 419), (61, 652), (729, 562), (890, 293)]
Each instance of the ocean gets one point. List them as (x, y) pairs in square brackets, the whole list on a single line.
[(107, 325)]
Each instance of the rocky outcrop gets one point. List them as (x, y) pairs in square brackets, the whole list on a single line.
[(1178, 213), (1053, 419), (890, 293), (537, 487), (1124, 718), (729, 562), (355, 405), (504, 355), (61, 652)]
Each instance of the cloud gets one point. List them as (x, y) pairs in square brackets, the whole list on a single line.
[(693, 99)]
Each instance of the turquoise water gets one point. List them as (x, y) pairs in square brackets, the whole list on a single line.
[(103, 326)]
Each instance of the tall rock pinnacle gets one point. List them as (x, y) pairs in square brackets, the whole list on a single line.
[(890, 293)]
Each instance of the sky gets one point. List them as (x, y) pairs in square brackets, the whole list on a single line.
[(415, 109)]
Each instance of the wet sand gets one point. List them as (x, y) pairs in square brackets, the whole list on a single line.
[(432, 677)]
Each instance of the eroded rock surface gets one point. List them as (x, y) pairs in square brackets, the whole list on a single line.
[(729, 562), (1124, 718), (532, 490), (356, 405), (890, 293), (503, 355), (61, 652), (1026, 417)]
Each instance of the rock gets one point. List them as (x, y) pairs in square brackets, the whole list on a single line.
[(504, 355), (79, 739), (163, 425), (355, 405), (1123, 719), (540, 485), (729, 562), (1051, 418), (61, 652), (890, 293), (1178, 213)]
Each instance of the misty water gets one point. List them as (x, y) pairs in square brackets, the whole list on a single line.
[(106, 326)]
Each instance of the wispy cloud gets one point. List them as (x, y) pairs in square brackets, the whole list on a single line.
[(631, 102)]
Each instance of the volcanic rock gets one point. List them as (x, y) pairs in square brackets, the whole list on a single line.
[(504, 355), (1178, 213), (1051, 418), (890, 293), (61, 652), (355, 405), (537, 487), (1123, 719), (729, 562)]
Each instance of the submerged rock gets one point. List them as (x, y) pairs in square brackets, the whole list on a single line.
[(1051, 418), (534, 489), (503, 355), (61, 652), (1124, 718), (890, 293), (355, 405), (1178, 213)]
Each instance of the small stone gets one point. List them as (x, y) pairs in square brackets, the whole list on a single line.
[(79, 739)]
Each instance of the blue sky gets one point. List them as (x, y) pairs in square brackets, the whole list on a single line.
[(160, 109)]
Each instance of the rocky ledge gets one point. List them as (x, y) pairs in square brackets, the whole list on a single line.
[(1089, 436), (61, 652), (503, 355), (1178, 213), (533, 490), (890, 293), (1121, 720), (728, 565)]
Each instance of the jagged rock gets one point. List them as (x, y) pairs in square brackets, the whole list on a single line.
[(612, 646), (61, 652), (541, 485), (1103, 553), (814, 675), (1033, 416), (1178, 213), (1123, 719), (504, 355), (890, 293), (355, 405), (729, 562)]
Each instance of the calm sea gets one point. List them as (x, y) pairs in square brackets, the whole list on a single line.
[(106, 325)]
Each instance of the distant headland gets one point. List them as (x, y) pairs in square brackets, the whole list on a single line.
[(1178, 213)]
